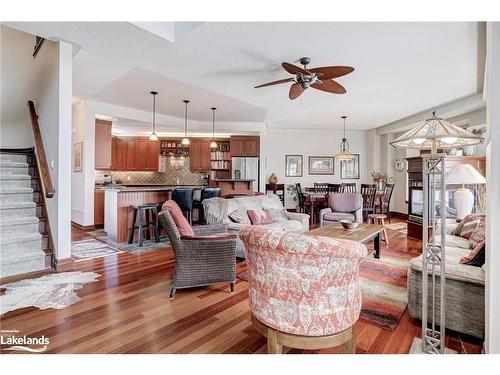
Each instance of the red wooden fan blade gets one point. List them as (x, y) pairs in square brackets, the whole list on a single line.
[(329, 86), (293, 69), (275, 82), (295, 91), (328, 72)]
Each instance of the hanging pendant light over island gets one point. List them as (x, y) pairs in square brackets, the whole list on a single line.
[(185, 141)]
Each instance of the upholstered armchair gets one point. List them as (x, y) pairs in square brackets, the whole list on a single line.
[(342, 206), (208, 257), (304, 290)]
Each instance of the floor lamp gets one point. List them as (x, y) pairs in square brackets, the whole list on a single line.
[(434, 134)]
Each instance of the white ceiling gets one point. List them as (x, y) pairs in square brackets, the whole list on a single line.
[(401, 68)]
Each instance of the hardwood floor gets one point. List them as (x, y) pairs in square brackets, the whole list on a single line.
[(128, 311)]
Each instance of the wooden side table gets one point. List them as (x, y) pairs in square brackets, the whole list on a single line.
[(380, 220), (278, 189)]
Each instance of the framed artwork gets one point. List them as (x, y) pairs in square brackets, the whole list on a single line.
[(293, 165), (78, 157), (321, 165), (349, 169)]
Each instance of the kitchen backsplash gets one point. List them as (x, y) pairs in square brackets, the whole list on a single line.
[(168, 175)]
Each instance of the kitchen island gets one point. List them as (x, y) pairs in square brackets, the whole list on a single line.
[(234, 187), (118, 199)]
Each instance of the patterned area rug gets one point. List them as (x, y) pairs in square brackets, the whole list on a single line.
[(88, 249), (383, 285), (53, 291), (400, 227)]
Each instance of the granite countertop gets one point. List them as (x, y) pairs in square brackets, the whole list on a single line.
[(151, 187)]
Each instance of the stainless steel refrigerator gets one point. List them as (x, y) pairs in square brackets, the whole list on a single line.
[(246, 168)]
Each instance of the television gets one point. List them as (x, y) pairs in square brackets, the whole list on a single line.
[(416, 203)]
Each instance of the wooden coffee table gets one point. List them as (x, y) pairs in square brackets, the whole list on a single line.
[(363, 233)]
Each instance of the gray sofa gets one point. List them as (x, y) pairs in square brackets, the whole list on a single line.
[(464, 289), (216, 211)]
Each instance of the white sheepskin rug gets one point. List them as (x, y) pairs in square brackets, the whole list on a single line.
[(53, 291)]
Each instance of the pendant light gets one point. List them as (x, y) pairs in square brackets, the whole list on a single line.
[(154, 136), (344, 153), (185, 140), (213, 144)]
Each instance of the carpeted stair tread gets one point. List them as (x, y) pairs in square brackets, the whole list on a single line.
[(13, 164), (16, 190), (7, 222), (17, 205), (7, 176), (19, 237)]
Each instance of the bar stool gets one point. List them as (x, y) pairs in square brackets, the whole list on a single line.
[(206, 193), (140, 221), (380, 220), (184, 199)]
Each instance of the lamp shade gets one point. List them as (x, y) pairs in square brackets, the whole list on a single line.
[(436, 132), (464, 174)]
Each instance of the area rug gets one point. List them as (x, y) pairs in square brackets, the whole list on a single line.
[(399, 227), (383, 286), (147, 245), (53, 291), (88, 249)]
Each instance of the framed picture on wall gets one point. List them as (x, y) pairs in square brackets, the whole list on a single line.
[(349, 169), (293, 165), (78, 157), (323, 165)]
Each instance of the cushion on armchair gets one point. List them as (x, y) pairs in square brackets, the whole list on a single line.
[(179, 218), (337, 216), (345, 202)]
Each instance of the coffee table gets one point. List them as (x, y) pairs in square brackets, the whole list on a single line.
[(363, 233)]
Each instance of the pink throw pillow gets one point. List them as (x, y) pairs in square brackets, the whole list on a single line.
[(179, 218), (472, 254), (259, 217)]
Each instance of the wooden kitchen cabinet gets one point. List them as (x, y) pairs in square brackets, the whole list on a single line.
[(199, 156), (98, 208), (245, 146), (135, 154), (103, 147)]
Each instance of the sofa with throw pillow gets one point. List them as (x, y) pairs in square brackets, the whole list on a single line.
[(264, 210), (464, 277)]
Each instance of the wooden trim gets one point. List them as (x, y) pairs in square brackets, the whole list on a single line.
[(277, 339), (64, 264), (40, 152), (85, 228), (401, 215)]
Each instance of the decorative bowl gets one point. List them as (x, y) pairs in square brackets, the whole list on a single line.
[(348, 224)]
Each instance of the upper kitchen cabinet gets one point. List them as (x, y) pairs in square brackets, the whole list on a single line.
[(103, 148), (135, 154), (199, 160), (245, 146)]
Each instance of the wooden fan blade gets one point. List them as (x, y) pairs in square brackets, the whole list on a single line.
[(295, 91), (329, 86), (293, 69), (275, 82), (328, 72)]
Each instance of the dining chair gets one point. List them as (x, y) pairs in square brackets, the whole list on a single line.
[(386, 200), (369, 193), (300, 197), (320, 187), (348, 187), (334, 188)]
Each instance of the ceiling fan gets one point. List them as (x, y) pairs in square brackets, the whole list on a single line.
[(317, 78)]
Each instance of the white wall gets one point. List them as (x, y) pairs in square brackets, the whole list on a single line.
[(492, 342), (17, 73), (276, 143), (47, 80)]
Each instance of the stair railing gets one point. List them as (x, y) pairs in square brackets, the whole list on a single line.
[(40, 152)]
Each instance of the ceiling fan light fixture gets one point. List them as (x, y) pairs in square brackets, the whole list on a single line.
[(344, 153), (154, 136)]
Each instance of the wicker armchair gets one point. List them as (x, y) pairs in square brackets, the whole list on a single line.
[(209, 257)]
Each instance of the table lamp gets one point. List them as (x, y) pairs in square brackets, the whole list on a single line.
[(464, 174)]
